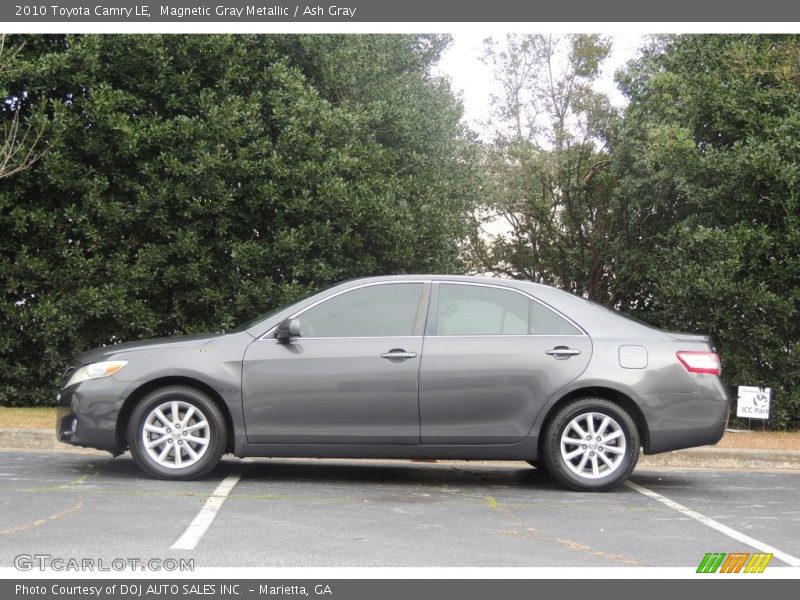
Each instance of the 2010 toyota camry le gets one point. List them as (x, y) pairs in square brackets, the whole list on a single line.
[(423, 366)]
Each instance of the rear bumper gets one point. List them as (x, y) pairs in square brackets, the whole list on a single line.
[(87, 413), (686, 420)]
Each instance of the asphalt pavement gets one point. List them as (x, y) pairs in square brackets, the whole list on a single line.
[(282, 512)]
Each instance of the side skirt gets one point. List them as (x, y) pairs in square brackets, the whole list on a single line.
[(524, 450)]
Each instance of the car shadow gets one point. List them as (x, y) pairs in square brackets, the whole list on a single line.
[(666, 478), (367, 472), (397, 473), (372, 472)]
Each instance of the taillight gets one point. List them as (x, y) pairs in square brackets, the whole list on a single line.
[(700, 362)]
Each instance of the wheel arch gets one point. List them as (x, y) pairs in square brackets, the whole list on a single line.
[(623, 400), (144, 389)]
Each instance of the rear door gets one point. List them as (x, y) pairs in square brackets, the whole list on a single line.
[(493, 356)]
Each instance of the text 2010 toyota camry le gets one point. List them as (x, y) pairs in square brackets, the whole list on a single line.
[(406, 367)]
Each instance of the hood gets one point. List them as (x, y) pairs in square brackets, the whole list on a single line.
[(176, 341)]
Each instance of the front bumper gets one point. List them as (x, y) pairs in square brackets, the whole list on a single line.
[(87, 413)]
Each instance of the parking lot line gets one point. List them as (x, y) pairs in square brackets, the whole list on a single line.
[(200, 524), (724, 529)]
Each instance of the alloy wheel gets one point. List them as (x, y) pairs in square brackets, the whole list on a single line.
[(593, 445), (176, 434)]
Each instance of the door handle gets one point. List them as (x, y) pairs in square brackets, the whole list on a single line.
[(562, 352), (398, 353)]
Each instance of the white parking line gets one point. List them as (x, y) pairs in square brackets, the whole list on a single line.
[(190, 538), (708, 522)]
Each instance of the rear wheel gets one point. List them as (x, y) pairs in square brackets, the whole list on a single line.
[(591, 444), (177, 432)]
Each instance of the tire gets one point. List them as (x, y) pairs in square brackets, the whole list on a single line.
[(200, 444), (572, 463)]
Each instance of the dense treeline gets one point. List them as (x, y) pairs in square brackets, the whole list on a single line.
[(189, 182), (682, 209), (712, 133), (196, 181)]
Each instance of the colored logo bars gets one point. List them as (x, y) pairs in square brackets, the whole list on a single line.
[(716, 562)]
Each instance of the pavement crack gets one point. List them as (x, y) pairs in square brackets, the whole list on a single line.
[(79, 480), (527, 529), (572, 545), (39, 522)]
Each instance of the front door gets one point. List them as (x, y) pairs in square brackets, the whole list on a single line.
[(352, 377)]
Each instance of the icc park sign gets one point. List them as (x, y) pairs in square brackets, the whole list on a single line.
[(753, 402)]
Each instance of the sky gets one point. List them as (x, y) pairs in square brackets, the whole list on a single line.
[(472, 80)]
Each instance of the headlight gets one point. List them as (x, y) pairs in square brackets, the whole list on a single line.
[(96, 371)]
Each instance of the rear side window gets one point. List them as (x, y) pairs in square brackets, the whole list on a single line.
[(545, 322), (386, 310), (478, 310)]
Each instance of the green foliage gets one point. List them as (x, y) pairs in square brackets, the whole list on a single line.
[(194, 181), (24, 138), (199, 180), (548, 166), (711, 146), (683, 212)]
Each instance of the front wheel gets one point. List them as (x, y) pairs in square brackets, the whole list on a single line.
[(591, 444), (177, 432)]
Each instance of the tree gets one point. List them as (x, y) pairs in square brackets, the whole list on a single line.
[(549, 165), (711, 137), (200, 180), (22, 144)]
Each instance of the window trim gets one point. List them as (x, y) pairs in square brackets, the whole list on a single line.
[(433, 314), (419, 320)]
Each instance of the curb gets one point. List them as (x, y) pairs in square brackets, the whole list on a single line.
[(706, 457), (709, 457), (29, 439), (35, 439)]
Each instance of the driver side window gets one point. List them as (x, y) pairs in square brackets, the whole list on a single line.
[(385, 310)]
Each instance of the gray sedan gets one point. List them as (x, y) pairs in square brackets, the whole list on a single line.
[(407, 366)]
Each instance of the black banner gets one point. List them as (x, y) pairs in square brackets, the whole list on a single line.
[(390, 589), (366, 11)]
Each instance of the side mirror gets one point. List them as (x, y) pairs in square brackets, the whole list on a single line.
[(288, 329)]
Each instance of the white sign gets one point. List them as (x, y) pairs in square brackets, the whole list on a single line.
[(753, 402)]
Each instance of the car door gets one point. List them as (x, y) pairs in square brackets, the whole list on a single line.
[(493, 356), (351, 377)]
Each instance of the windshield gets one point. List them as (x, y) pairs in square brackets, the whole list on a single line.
[(267, 315), (263, 317)]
